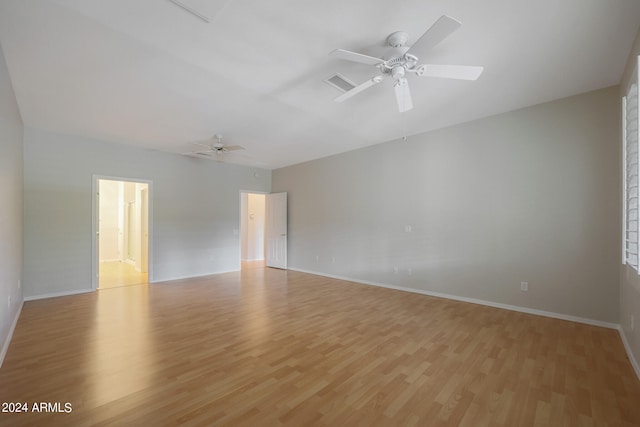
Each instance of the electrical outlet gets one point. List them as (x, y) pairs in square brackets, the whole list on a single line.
[(18, 283), (524, 286), (632, 322), (9, 301), (317, 258), (409, 272), (333, 260), (395, 270), (407, 229)]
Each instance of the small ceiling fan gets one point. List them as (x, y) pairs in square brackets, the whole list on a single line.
[(214, 148), (403, 60)]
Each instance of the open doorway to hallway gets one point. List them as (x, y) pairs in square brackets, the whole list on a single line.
[(252, 230), (122, 233)]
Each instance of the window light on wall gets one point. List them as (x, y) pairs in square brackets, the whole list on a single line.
[(631, 172)]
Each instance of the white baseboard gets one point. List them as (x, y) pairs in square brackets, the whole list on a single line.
[(58, 294), (7, 341), (627, 347), (471, 300)]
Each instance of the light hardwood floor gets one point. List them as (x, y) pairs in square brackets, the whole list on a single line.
[(266, 347), (117, 273)]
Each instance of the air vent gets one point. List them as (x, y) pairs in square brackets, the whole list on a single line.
[(340, 82)]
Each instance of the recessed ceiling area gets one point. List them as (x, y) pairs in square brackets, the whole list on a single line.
[(149, 73)]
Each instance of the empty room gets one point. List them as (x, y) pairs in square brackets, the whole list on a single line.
[(338, 213)]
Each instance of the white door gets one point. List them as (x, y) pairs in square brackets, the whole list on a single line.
[(276, 230)]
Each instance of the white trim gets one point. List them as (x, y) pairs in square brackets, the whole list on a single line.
[(471, 300), (58, 294), (94, 229), (7, 341), (627, 347)]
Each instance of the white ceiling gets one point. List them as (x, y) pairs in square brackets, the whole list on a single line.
[(147, 73)]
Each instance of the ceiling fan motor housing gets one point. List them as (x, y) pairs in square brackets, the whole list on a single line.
[(397, 66)]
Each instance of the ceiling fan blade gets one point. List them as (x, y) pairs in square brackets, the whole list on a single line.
[(356, 57), (198, 154), (403, 95), (460, 72), (201, 144), (232, 148), (439, 31), (356, 90)]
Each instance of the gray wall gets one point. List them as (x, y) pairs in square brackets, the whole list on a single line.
[(11, 133), (195, 204), (530, 195), (629, 279)]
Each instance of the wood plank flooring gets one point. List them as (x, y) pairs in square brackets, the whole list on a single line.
[(267, 347), (118, 273)]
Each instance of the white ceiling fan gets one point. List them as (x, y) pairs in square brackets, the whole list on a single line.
[(403, 60), (214, 148)]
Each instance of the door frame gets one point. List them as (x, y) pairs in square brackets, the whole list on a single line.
[(94, 224), (144, 225)]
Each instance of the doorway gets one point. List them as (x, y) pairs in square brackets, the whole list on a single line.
[(263, 230), (122, 233), (252, 230)]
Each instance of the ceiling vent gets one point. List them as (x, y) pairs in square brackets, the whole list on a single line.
[(340, 82)]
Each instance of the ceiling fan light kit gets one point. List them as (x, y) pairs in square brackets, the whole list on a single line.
[(404, 61)]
